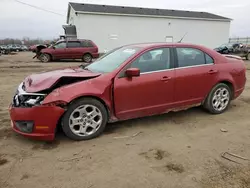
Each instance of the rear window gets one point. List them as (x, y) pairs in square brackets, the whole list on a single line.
[(209, 59), (87, 43)]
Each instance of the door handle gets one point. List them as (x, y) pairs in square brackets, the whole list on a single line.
[(165, 78), (212, 71)]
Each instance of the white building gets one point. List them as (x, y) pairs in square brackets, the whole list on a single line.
[(112, 26)]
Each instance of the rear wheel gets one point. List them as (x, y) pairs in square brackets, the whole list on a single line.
[(45, 58), (218, 99), (87, 58), (85, 119)]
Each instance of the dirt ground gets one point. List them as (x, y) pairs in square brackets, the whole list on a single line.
[(175, 150)]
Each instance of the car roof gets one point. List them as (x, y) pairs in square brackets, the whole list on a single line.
[(161, 44), (63, 40)]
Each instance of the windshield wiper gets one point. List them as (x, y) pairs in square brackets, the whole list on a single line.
[(86, 69)]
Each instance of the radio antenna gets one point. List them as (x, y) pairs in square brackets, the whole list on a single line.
[(182, 37)]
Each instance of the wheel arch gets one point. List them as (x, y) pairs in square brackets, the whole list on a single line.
[(87, 53), (51, 57), (93, 97), (227, 82), (58, 126)]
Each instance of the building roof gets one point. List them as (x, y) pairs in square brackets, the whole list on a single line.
[(137, 11)]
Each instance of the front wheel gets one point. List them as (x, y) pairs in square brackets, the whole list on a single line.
[(85, 119), (45, 58), (218, 99), (248, 56), (87, 58)]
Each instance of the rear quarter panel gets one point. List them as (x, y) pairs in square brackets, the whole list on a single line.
[(233, 71)]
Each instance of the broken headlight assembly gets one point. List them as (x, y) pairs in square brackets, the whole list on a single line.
[(28, 100), (24, 99)]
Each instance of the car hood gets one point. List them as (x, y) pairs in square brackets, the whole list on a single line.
[(47, 80)]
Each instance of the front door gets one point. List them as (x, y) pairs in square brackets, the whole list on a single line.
[(196, 74), (60, 51), (150, 93)]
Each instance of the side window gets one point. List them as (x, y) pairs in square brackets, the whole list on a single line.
[(153, 60), (190, 57), (87, 43), (60, 45), (74, 44), (209, 59)]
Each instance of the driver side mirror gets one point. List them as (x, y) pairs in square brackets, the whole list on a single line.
[(53, 47), (132, 72)]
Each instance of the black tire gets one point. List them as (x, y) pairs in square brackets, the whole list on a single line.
[(45, 58), (208, 104), (87, 58), (248, 56), (74, 105)]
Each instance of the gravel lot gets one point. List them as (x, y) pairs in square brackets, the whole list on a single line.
[(179, 150)]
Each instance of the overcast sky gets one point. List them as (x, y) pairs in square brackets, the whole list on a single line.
[(18, 20)]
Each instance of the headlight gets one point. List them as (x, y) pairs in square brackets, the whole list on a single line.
[(28, 99), (32, 100), (24, 99)]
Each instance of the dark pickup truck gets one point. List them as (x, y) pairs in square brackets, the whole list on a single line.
[(235, 49), (69, 49)]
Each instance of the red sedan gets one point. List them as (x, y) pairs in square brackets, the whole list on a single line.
[(128, 82)]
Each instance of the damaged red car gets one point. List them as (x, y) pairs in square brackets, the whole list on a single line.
[(128, 82)]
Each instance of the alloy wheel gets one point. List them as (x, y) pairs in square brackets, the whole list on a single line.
[(44, 58), (220, 99), (87, 58), (85, 120)]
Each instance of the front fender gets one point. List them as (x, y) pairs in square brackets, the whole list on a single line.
[(86, 88)]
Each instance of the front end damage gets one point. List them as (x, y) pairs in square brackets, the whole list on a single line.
[(31, 118), (36, 107), (38, 50)]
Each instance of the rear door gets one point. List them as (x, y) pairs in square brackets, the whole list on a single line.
[(196, 74), (74, 49)]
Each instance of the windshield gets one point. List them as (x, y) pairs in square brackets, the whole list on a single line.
[(112, 60)]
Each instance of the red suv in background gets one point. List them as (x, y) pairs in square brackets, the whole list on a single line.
[(70, 49)]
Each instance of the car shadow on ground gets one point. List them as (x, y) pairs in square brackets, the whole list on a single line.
[(176, 118), (183, 119)]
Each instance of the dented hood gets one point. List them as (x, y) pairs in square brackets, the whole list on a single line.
[(46, 80)]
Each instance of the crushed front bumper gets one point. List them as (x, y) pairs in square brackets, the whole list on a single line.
[(44, 120)]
